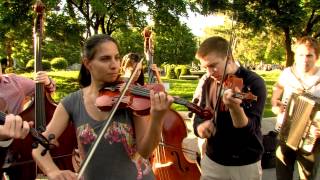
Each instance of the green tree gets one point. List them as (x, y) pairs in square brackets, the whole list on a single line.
[(177, 46), (13, 30), (130, 40), (291, 18)]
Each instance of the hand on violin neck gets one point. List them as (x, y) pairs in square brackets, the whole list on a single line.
[(14, 127), (160, 103), (230, 100)]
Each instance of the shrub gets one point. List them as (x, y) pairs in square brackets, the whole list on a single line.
[(59, 63), (177, 71), (170, 72), (185, 70), (45, 65), (9, 70), (30, 65)]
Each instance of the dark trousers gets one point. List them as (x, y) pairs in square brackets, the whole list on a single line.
[(284, 170)]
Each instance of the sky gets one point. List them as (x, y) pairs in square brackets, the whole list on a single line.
[(197, 22)]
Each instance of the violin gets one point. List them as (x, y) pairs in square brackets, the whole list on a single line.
[(233, 82), (37, 137), (137, 99)]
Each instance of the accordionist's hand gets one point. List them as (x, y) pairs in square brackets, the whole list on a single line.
[(315, 129), (278, 106)]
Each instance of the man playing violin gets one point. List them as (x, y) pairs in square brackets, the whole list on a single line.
[(234, 139)]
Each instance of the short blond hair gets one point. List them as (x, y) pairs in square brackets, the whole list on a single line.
[(215, 44)]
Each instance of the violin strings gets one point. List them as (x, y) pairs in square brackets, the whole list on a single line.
[(140, 91), (189, 151)]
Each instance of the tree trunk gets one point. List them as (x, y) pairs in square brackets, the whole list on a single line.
[(289, 53), (9, 53)]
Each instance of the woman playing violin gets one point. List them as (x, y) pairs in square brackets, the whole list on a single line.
[(234, 141), (130, 138)]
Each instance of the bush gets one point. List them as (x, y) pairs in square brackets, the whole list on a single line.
[(170, 72), (30, 65), (45, 65), (177, 71), (185, 70), (9, 70), (59, 63)]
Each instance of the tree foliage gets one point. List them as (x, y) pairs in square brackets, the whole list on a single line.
[(290, 18), (68, 23), (177, 46)]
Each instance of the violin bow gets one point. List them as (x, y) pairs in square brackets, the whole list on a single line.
[(229, 53), (106, 125)]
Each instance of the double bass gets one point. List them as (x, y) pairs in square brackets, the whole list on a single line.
[(39, 110), (168, 160)]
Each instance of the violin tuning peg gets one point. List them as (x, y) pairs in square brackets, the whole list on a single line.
[(34, 145), (51, 146), (41, 129), (51, 137)]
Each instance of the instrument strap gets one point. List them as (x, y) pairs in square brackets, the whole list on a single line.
[(304, 86)]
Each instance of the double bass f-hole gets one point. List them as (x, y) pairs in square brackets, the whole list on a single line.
[(168, 160)]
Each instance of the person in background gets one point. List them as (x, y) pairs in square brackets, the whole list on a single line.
[(234, 138), (130, 139), (302, 77), (129, 62), (14, 89)]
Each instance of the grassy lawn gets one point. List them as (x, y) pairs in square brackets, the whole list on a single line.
[(67, 82)]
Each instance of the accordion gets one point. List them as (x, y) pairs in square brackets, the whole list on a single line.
[(301, 115)]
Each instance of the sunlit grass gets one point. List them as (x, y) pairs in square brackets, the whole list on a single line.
[(67, 82)]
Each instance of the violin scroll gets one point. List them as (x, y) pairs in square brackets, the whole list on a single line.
[(40, 139), (203, 113)]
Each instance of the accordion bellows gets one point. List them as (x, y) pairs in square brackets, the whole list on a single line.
[(302, 114)]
